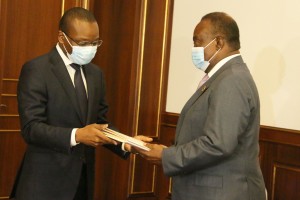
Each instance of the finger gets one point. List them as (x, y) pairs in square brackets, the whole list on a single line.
[(127, 147), (100, 137), (100, 126), (103, 126), (151, 146), (105, 140), (94, 144), (144, 138), (147, 139), (137, 150)]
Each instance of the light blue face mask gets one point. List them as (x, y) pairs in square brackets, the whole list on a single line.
[(81, 55), (198, 57)]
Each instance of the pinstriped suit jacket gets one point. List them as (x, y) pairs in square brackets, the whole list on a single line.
[(215, 156), (49, 111)]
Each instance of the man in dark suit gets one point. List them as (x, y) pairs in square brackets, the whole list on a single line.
[(61, 127), (215, 155)]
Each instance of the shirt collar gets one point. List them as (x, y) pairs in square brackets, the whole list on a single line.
[(220, 64), (65, 59)]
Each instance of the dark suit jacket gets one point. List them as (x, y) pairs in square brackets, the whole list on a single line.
[(215, 156), (49, 111)]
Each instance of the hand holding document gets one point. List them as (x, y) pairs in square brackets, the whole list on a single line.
[(154, 155), (125, 139)]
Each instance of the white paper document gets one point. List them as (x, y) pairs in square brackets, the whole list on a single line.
[(125, 138)]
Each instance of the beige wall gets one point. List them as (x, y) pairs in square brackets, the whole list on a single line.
[(270, 40)]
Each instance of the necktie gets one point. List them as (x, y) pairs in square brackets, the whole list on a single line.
[(203, 80), (80, 91)]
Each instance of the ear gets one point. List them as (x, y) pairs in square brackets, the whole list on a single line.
[(60, 37), (220, 42)]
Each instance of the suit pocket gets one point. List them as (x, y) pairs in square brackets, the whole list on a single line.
[(209, 181)]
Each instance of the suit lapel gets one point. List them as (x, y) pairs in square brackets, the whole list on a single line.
[(202, 89), (61, 72), (207, 84), (189, 103), (195, 96)]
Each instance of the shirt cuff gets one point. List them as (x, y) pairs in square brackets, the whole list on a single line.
[(73, 141), (123, 147)]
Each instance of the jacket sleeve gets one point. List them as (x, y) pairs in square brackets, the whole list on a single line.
[(32, 104)]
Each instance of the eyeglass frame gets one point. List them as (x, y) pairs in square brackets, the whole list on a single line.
[(86, 43)]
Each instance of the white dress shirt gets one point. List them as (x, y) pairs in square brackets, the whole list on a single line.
[(71, 71), (220, 64)]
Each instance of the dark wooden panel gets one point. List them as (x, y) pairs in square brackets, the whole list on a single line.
[(11, 105), (286, 182), (117, 58), (169, 119), (156, 18), (132, 57), (28, 28), (274, 154), (67, 4), (139, 176), (163, 182), (12, 147), (9, 86), (31, 31), (152, 67), (3, 22), (166, 58), (9, 122), (280, 136), (111, 175)]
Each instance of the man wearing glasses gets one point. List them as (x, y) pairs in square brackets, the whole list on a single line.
[(61, 98)]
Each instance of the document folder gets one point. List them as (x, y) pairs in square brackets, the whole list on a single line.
[(125, 138)]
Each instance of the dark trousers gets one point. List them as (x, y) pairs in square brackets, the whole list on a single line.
[(81, 193)]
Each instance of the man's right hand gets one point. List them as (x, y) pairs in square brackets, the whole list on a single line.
[(143, 138), (92, 135)]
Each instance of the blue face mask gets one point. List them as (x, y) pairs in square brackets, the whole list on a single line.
[(198, 57), (81, 55)]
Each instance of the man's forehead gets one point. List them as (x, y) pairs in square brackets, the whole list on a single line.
[(77, 23), (201, 30), (78, 26), (203, 26)]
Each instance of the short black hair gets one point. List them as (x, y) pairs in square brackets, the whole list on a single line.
[(225, 25), (75, 13)]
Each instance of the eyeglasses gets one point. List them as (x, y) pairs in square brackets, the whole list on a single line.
[(85, 43)]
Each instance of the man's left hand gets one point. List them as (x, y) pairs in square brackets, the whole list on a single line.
[(154, 155)]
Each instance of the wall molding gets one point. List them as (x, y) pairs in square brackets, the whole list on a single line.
[(267, 133)]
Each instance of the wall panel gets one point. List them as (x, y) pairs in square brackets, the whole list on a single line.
[(133, 58), (285, 174), (117, 57), (12, 148), (28, 29)]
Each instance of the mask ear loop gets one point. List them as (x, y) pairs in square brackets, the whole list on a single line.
[(67, 39), (216, 51), (214, 55), (209, 43), (68, 42)]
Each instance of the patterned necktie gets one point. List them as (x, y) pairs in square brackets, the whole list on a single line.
[(203, 80), (80, 91)]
